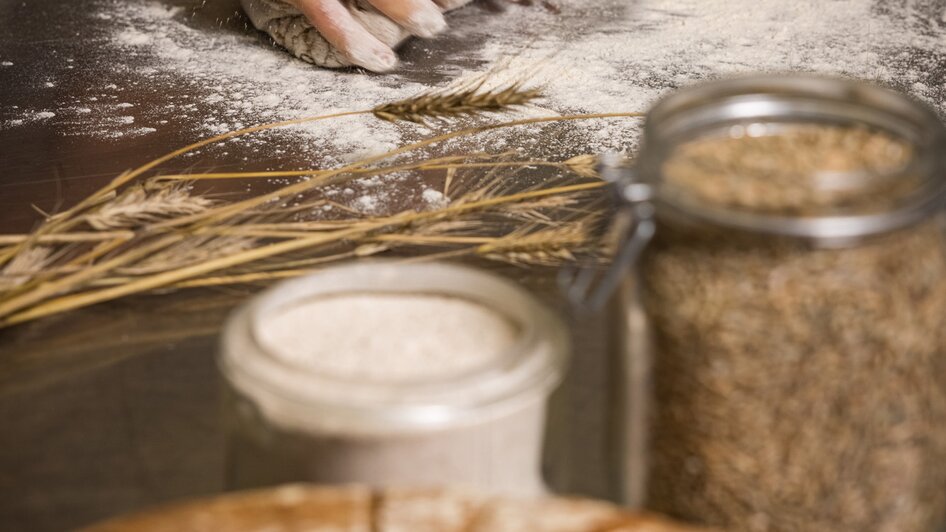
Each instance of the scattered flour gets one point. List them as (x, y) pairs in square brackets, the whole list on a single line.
[(237, 79), (645, 48), (186, 75), (367, 204), (595, 55), (435, 198), (388, 337)]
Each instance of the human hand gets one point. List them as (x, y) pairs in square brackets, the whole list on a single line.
[(355, 32)]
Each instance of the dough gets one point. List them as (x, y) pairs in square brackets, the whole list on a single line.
[(290, 29)]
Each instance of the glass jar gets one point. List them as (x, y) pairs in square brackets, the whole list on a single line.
[(791, 306), (392, 420)]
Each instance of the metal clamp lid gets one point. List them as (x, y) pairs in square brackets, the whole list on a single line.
[(587, 287)]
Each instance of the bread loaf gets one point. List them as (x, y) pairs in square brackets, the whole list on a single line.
[(356, 509)]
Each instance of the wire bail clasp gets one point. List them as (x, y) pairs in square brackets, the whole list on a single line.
[(632, 229)]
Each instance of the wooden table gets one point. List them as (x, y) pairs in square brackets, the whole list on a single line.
[(114, 407)]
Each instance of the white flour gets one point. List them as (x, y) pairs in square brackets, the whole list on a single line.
[(387, 337), (159, 72), (642, 49)]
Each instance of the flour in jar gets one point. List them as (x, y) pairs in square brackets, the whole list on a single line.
[(387, 337)]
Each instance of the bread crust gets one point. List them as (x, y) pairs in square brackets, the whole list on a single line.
[(357, 509)]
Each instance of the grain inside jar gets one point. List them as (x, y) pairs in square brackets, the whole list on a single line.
[(798, 387)]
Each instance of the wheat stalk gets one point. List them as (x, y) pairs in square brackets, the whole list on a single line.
[(41, 304), (584, 166), (188, 252), (466, 100), (543, 246), (24, 266), (150, 282), (63, 238), (225, 211), (68, 219), (157, 234), (146, 204)]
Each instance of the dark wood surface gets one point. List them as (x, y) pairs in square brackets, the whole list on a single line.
[(115, 407)]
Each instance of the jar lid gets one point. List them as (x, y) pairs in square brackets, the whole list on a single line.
[(821, 158), (304, 396)]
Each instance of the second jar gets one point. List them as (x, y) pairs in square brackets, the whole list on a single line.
[(391, 375), (795, 291)]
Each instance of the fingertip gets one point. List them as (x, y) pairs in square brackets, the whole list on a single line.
[(426, 23), (374, 58), (336, 24), (420, 17)]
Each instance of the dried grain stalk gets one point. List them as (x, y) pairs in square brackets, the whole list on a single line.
[(145, 204), (153, 267), (148, 234), (24, 266), (466, 100), (188, 252)]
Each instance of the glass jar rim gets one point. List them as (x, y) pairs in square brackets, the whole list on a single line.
[(527, 372), (798, 99)]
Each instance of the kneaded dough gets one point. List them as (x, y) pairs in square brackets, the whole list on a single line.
[(290, 29)]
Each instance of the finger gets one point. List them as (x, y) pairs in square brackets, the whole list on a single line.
[(342, 31), (420, 17), (447, 5)]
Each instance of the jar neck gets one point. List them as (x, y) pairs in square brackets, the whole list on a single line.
[(769, 103), (533, 365)]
